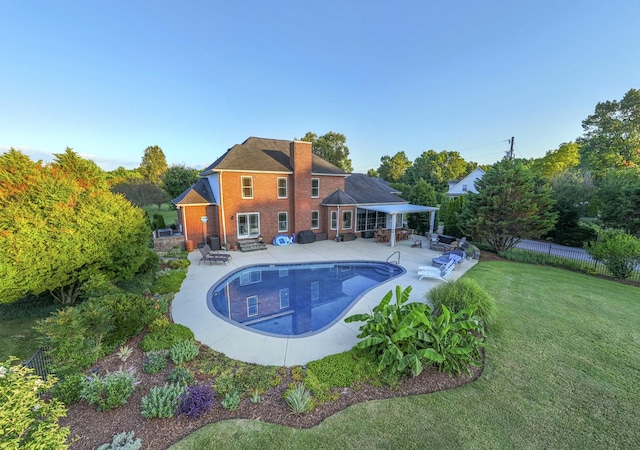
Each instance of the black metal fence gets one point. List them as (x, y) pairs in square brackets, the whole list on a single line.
[(39, 362), (574, 257)]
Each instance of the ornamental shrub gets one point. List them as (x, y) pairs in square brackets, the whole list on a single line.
[(195, 401), (123, 441), (68, 389), (130, 313), (179, 264), (166, 337), (26, 420), (619, 251), (168, 281), (180, 375), (161, 401), (298, 398), (155, 361), (460, 294), (110, 391), (184, 351), (231, 401)]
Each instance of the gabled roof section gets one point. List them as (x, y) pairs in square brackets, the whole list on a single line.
[(370, 190), (455, 188), (338, 197), (266, 155), (198, 194)]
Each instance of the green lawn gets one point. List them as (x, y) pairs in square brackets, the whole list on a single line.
[(167, 210), (17, 337), (562, 371)]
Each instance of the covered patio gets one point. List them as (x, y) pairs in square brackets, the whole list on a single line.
[(395, 210)]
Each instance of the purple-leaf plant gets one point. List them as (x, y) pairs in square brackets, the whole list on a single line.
[(196, 401)]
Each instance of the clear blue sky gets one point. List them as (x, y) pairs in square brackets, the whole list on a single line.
[(111, 78)]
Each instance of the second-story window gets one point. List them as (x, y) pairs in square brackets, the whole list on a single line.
[(282, 188), (315, 187), (247, 187), (464, 188)]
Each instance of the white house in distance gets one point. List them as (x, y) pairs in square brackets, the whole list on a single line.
[(467, 184)]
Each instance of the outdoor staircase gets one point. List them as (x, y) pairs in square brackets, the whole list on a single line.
[(252, 245)]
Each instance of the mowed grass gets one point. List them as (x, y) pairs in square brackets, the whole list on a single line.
[(167, 210), (562, 371), (17, 337)]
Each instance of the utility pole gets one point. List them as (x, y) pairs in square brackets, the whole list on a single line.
[(511, 155)]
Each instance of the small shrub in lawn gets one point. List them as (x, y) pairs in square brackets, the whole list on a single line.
[(460, 294), (110, 391), (298, 398), (155, 361), (161, 401), (231, 401), (180, 375), (184, 351), (123, 441), (168, 281), (68, 389), (195, 401), (166, 338)]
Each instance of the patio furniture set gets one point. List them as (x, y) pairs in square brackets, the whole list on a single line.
[(384, 234)]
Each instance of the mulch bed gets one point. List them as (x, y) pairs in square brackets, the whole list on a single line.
[(93, 428)]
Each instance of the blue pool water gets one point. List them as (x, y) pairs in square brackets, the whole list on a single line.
[(295, 299)]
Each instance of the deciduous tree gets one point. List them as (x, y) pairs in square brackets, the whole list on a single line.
[(511, 204), (153, 164), (141, 192), (392, 169), (178, 178), (618, 195), (438, 168), (331, 147), (422, 194)]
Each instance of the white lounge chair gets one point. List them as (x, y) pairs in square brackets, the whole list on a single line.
[(437, 273)]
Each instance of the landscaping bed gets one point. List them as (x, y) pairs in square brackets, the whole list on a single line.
[(94, 428)]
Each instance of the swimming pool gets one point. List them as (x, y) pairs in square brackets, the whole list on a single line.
[(295, 299)]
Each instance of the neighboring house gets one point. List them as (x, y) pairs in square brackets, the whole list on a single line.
[(466, 185), (266, 187)]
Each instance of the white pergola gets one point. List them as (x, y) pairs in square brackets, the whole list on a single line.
[(403, 208)]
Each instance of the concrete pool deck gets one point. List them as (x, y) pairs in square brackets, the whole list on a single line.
[(189, 306)]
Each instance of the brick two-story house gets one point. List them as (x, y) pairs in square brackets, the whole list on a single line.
[(266, 187)]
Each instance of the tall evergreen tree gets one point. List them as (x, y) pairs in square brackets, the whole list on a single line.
[(511, 204)]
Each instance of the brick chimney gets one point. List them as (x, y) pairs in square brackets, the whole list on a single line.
[(300, 154)]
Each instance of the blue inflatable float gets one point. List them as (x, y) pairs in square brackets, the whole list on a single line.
[(283, 239)]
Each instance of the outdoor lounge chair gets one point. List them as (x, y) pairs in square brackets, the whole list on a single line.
[(416, 242), (211, 256), (437, 273), (456, 255)]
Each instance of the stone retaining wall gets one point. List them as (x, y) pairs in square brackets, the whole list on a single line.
[(164, 244)]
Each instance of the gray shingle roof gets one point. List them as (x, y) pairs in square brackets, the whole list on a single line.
[(368, 190), (266, 155), (198, 194), (338, 197)]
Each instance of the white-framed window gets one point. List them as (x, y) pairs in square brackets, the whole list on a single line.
[(347, 220), (315, 187), (464, 188), (282, 188), (250, 277), (252, 305), (284, 298), (334, 220), (247, 187), (283, 222), (315, 290), (315, 219), (248, 225)]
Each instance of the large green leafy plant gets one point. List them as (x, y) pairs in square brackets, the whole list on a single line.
[(403, 336)]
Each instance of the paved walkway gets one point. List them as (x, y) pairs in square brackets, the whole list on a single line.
[(190, 305)]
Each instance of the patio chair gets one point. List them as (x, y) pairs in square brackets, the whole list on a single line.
[(456, 255), (417, 243), (211, 256), (436, 273)]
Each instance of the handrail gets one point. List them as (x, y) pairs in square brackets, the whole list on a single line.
[(390, 256)]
